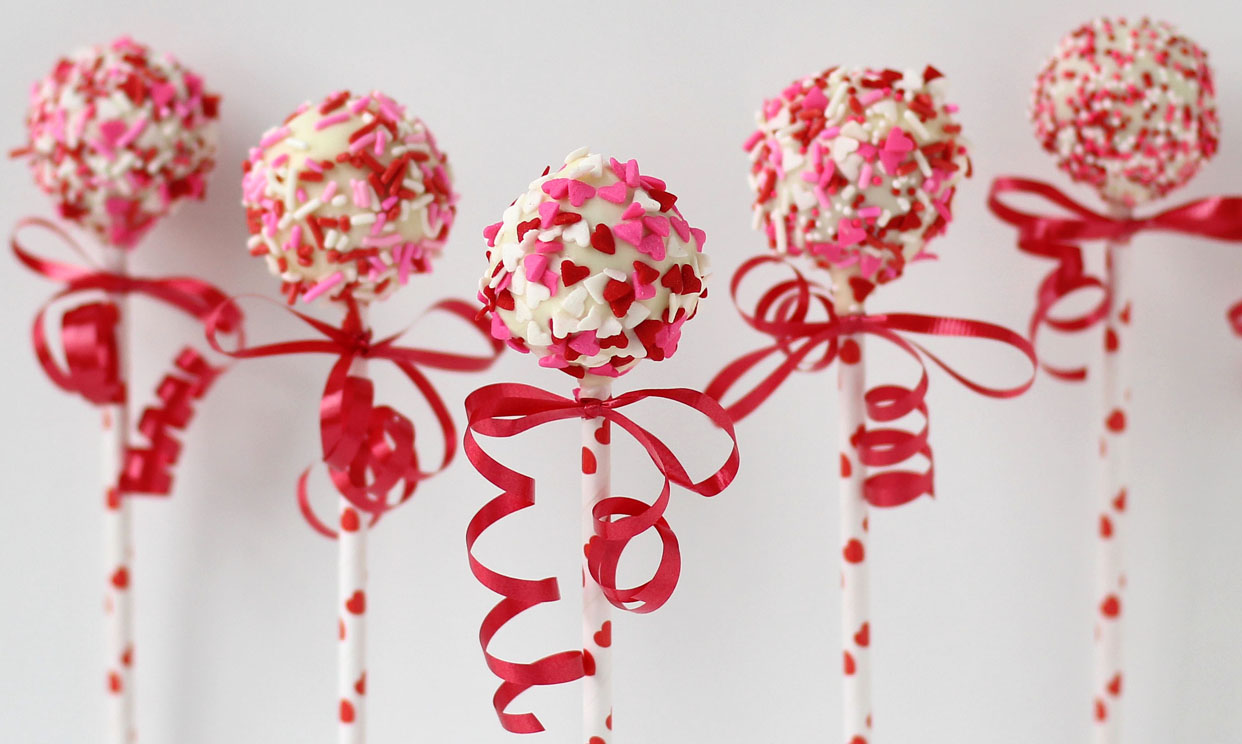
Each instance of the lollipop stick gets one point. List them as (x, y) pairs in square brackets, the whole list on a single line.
[(118, 541), (1110, 572), (855, 583), (596, 611), (352, 594)]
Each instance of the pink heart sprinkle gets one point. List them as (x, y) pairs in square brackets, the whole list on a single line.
[(700, 238), (163, 93), (544, 246), (633, 211), (631, 174), (653, 245), (815, 99), (896, 147), (535, 264), (681, 227), (579, 192), (657, 225), (848, 234), (112, 130), (586, 344), (489, 232), (557, 188), (867, 264), (549, 280), (616, 193), (642, 291), (500, 331), (547, 212), (631, 232)]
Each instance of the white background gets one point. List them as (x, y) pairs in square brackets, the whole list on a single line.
[(983, 597)]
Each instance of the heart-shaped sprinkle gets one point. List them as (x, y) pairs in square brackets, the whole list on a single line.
[(548, 212), (490, 233), (579, 192), (616, 193), (631, 232), (646, 273), (601, 240), (572, 273)]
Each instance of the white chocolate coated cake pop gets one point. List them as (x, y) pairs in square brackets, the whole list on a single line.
[(1128, 108), (118, 136), (347, 198), (857, 169), (593, 268)]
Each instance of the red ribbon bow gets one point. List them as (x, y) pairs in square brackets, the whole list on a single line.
[(1218, 217), (370, 449), (92, 365), (506, 410), (783, 312)]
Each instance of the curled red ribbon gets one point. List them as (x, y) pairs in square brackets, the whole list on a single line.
[(370, 449), (92, 366), (784, 312), (1057, 238), (508, 409)]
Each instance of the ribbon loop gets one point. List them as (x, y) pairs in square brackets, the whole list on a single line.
[(370, 450), (508, 409), (1058, 238), (784, 312), (92, 366)]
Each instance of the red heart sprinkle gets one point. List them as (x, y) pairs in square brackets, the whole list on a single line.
[(602, 241), (646, 274), (603, 636), (525, 227), (861, 287), (672, 280), (690, 283), (572, 273), (854, 552), (357, 604), (504, 300)]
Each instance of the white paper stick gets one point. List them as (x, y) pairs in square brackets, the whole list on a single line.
[(352, 594), (1110, 571), (855, 582), (596, 611), (118, 540)]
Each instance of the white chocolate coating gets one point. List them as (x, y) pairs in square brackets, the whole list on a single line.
[(119, 136), (634, 268), (348, 198), (857, 168), (1128, 108)]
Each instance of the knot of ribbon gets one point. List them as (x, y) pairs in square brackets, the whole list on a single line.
[(1058, 238), (91, 349), (370, 449), (786, 311), (508, 409)]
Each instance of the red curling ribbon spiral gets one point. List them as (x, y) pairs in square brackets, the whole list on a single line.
[(784, 312), (508, 409), (369, 450), (92, 365), (1058, 238)]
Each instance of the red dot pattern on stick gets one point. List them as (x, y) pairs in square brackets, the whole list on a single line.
[(1111, 606), (347, 712), (850, 665), (349, 520), (357, 604), (854, 551), (851, 352)]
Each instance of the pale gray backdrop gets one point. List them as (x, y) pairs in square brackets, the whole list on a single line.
[(982, 597)]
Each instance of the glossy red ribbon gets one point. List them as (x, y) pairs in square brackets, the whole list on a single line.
[(506, 410), (368, 449), (92, 366), (1057, 238), (784, 312)]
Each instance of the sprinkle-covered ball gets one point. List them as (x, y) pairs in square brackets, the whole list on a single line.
[(348, 198), (1128, 108), (857, 168), (593, 268), (118, 135)]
